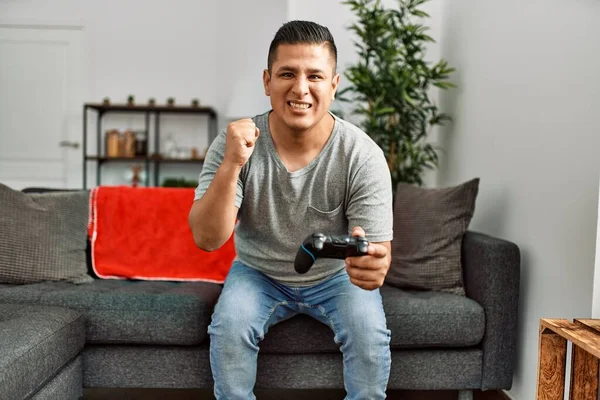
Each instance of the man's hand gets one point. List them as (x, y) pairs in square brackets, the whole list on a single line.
[(368, 272), (239, 145)]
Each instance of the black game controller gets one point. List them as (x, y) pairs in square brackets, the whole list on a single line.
[(320, 245)]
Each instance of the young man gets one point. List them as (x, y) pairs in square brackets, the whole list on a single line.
[(291, 172)]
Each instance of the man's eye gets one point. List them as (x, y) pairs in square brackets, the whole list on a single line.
[(315, 77), (286, 75)]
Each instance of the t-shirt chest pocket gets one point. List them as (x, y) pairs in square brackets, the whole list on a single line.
[(322, 219)]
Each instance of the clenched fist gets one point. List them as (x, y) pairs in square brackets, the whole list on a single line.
[(239, 145)]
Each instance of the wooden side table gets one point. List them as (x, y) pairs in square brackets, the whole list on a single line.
[(584, 334)]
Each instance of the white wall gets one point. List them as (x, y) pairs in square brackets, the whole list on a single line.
[(526, 123)]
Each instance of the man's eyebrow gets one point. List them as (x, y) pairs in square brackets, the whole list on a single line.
[(294, 69), (287, 68)]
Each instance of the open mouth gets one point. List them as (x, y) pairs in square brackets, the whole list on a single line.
[(299, 106)]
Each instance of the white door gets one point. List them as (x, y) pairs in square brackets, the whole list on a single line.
[(42, 91)]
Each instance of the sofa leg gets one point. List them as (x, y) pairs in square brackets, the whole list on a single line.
[(465, 395)]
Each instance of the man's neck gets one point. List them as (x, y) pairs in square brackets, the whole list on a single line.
[(298, 148), (293, 141)]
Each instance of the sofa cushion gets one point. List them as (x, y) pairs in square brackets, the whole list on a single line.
[(417, 319), (41, 341), (67, 384), (429, 224), (43, 236), (137, 312), (148, 367), (432, 319)]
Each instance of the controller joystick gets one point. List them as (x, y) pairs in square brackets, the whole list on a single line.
[(320, 245)]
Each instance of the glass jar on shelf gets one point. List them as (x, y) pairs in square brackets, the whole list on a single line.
[(128, 144), (113, 139), (170, 147), (141, 143)]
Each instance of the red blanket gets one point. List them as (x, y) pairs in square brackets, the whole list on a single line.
[(143, 233)]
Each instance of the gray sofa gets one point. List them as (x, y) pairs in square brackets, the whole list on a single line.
[(144, 334)]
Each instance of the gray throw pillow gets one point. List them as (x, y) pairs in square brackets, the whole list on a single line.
[(429, 225), (43, 236)]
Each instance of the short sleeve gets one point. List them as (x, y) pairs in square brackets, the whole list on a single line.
[(370, 199), (214, 158)]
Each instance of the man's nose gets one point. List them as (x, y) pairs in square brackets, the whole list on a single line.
[(300, 87)]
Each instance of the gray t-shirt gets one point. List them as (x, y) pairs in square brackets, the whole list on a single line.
[(348, 184)]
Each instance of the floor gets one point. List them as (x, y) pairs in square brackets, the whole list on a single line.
[(156, 394)]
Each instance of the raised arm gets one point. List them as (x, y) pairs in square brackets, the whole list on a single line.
[(213, 213)]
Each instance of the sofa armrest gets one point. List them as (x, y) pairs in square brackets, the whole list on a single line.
[(491, 272)]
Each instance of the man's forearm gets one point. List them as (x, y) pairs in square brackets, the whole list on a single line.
[(212, 218)]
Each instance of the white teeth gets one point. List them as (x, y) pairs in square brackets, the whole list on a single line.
[(299, 106)]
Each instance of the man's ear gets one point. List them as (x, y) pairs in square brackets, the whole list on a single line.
[(267, 82), (334, 84)]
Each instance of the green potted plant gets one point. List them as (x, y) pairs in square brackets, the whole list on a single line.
[(390, 85)]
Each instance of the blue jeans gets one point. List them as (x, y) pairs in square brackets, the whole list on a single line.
[(251, 303)]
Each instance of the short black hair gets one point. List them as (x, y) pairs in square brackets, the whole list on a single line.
[(307, 32)]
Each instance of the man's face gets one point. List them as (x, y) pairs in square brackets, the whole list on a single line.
[(301, 84)]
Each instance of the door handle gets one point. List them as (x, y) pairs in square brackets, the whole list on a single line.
[(67, 143)]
